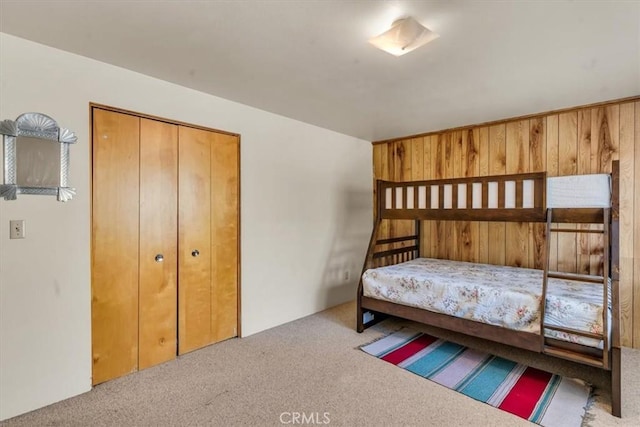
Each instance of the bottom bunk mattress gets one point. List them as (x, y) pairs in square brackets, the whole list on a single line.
[(504, 296)]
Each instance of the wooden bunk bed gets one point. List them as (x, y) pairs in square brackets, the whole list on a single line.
[(490, 198)]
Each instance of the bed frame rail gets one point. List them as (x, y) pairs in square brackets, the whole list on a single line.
[(516, 197), (396, 255)]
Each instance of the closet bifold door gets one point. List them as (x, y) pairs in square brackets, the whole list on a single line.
[(194, 238), (134, 251), (225, 185), (208, 188), (115, 234), (158, 233)]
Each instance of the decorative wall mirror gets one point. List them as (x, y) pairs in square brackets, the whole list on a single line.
[(36, 157)]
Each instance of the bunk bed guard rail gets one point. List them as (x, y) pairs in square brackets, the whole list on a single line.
[(517, 197)]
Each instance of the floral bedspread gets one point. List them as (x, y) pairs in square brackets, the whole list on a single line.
[(498, 295)]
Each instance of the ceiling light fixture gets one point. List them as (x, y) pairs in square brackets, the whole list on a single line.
[(405, 35)]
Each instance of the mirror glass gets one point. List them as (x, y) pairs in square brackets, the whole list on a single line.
[(37, 162)]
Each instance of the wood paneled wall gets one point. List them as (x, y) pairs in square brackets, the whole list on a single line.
[(582, 140)]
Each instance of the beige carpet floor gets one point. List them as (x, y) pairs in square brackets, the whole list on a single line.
[(311, 366)]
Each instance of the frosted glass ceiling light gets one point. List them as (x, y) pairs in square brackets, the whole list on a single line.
[(405, 35)]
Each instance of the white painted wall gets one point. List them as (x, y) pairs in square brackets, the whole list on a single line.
[(306, 217)]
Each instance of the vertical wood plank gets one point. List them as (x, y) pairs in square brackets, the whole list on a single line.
[(537, 144), (552, 170), (605, 139), (158, 292), (437, 144), (384, 175), (627, 216), (391, 171), (537, 163), (403, 173), (584, 167), (517, 161), (439, 249), (430, 149), (408, 226), (450, 246), (483, 170), (471, 162), (604, 147), (417, 159), (225, 195), (417, 174), (612, 113), (396, 162), (567, 165), (609, 150), (497, 166), (626, 156), (427, 227), (636, 233), (115, 237), (391, 161), (459, 235)]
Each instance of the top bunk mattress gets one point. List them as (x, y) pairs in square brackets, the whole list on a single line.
[(503, 296), (579, 191)]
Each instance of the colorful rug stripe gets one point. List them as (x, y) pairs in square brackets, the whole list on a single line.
[(529, 393), (409, 349), (525, 394)]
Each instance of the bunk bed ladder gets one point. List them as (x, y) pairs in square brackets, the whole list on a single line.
[(558, 348)]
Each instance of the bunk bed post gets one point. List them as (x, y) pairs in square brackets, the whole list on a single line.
[(369, 257), (545, 276), (606, 297), (418, 233), (616, 392), (367, 263)]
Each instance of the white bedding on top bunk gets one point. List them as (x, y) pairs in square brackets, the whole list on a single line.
[(498, 295), (579, 191)]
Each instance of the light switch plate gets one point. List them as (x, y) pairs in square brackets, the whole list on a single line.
[(16, 229)]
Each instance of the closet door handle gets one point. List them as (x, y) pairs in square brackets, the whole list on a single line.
[(159, 258), (195, 253)]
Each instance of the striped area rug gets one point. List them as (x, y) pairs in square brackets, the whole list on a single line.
[(538, 396)]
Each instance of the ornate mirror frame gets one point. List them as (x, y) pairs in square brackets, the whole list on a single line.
[(35, 126)]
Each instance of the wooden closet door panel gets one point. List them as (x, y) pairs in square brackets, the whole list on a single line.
[(194, 233), (225, 186), (158, 235), (114, 261)]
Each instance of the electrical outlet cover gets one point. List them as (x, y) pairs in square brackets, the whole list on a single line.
[(16, 229)]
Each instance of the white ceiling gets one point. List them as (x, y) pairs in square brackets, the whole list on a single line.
[(310, 60)]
